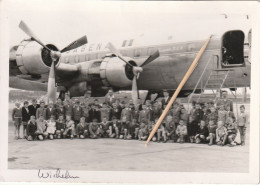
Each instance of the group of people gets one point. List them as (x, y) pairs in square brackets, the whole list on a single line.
[(211, 123)]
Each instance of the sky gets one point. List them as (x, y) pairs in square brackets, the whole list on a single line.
[(62, 21)]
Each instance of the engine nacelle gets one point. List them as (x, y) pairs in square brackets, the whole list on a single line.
[(114, 72), (32, 58)]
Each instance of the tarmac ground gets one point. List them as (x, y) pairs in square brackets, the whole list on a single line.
[(125, 155)]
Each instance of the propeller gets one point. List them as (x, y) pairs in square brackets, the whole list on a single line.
[(136, 69), (55, 55)]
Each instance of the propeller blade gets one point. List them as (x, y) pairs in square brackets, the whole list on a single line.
[(113, 49), (151, 58), (51, 85), (75, 44), (135, 93), (29, 32)]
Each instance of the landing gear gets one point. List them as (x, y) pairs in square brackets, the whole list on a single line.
[(62, 95)]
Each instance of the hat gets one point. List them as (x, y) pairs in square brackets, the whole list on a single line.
[(77, 101)]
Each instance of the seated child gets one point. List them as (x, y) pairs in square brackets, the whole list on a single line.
[(41, 127), (169, 130), (124, 128), (160, 131), (181, 132), (116, 127), (82, 128), (31, 129), (133, 129), (70, 127), (231, 131), (94, 129), (60, 126), (202, 132), (150, 127), (51, 128), (212, 132), (143, 131), (221, 134), (106, 128)]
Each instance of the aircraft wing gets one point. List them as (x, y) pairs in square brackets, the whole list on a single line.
[(19, 83)]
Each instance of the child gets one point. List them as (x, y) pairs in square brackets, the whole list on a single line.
[(160, 131), (41, 110), (25, 117), (143, 131), (82, 128), (94, 129), (181, 132), (115, 127), (132, 129), (60, 126), (232, 131), (41, 127), (31, 129), (70, 127), (51, 128), (202, 133), (221, 134), (212, 132), (213, 115), (169, 129), (230, 113), (17, 119), (222, 114), (106, 128), (242, 122)]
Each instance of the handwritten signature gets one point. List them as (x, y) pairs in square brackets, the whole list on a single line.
[(57, 174)]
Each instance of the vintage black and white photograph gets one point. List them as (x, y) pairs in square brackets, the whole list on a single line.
[(129, 86)]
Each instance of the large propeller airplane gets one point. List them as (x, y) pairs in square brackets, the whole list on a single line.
[(80, 67)]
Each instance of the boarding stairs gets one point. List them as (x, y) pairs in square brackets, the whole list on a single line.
[(215, 81)]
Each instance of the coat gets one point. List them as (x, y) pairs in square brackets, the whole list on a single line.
[(25, 114)]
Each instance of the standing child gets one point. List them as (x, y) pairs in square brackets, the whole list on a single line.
[(212, 132), (242, 122), (41, 110), (17, 119), (51, 128), (25, 117), (221, 134), (181, 132), (31, 129), (202, 133)]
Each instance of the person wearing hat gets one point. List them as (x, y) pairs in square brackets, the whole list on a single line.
[(77, 112), (25, 117), (41, 111), (33, 107)]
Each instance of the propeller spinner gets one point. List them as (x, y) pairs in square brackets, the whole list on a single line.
[(136, 69)]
